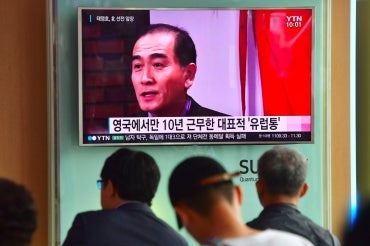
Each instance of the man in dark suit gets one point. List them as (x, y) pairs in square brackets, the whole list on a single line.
[(129, 180), (163, 69), (194, 110)]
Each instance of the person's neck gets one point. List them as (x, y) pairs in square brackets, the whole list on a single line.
[(115, 203), (225, 223), (176, 109), (280, 199)]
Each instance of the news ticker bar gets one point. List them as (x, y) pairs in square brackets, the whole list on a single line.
[(229, 124), (190, 138)]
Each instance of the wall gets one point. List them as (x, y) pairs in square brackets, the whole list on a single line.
[(23, 103), (363, 99)]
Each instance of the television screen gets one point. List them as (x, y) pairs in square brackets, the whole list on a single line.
[(195, 76)]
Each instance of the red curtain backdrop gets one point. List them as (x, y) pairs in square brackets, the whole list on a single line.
[(243, 56), (284, 41)]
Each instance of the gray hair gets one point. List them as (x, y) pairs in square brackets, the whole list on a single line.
[(283, 170)]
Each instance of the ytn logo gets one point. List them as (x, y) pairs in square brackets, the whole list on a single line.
[(294, 18)]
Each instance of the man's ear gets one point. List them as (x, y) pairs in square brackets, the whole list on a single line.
[(259, 187), (239, 194), (111, 191), (303, 190), (189, 74), (181, 212)]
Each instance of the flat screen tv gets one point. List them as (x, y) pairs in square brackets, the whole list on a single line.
[(253, 66)]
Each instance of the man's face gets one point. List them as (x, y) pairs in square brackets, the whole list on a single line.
[(160, 82)]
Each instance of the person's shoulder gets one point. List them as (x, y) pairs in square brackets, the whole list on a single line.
[(278, 238), (211, 112), (140, 114), (94, 215), (197, 110), (166, 234), (269, 237), (318, 229), (88, 213), (142, 212)]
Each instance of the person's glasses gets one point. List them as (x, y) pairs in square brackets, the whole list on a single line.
[(99, 183)]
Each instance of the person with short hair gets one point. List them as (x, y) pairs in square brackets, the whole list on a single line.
[(163, 69), (281, 183), (18, 215), (207, 204), (129, 181)]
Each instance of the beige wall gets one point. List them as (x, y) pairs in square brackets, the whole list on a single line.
[(23, 117), (340, 138), (23, 105)]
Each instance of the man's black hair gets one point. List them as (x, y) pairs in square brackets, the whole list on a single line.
[(200, 182), (134, 174), (18, 215), (184, 46)]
